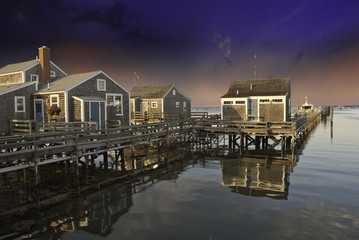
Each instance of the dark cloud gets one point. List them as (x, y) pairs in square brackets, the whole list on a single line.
[(112, 16), (225, 45), (134, 34)]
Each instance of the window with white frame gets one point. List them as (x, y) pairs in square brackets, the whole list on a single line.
[(277, 100), (177, 104), (264, 100), (19, 104), (54, 100), (174, 92), (154, 104), (115, 100), (227, 102), (52, 74), (101, 85), (240, 102), (34, 77), (184, 106)]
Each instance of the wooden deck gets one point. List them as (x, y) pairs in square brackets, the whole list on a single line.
[(293, 128), (18, 152)]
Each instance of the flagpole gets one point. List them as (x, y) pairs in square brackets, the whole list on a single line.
[(134, 79)]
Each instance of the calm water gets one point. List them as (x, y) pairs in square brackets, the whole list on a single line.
[(319, 199)]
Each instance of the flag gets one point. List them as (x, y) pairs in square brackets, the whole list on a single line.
[(137, 76)]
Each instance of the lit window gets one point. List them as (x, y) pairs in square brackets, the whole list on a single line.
[(101, 85), (177, 104), (154, 104), (116, 101), (174, 92), (109, 100), (118, 104), (228, 102), (54, 100), (34, 77), (19, 104), (240, 102), (52, 74)]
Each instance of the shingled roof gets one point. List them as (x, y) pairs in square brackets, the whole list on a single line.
[(64, 83), (151, 91), (258, 87), (12, 87), (16, 67)]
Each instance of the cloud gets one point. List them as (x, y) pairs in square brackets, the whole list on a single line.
[(112, 16), (225, 45)]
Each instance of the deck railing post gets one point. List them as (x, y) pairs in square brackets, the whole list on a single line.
[(36, 160)]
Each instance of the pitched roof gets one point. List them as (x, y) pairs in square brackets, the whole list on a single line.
[(258, 87), (151, 91), (64, 83), (12, 87), (16, 67)]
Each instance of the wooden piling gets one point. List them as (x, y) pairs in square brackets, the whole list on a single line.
[(241, 143), (105, 160)]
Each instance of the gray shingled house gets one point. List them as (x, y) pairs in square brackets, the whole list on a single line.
[(160, 100), (17, 84), (28, 88), (92, 96), (257, 100)]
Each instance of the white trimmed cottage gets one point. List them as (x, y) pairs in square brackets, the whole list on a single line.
[(263, 100)]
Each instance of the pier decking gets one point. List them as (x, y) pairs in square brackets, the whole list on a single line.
[(31, 151)]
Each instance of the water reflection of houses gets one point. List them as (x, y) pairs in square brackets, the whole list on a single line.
[(94, 213), (258, 177), (105, 209)]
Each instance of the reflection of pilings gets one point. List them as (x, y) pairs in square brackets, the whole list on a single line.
[(331, 122), (245, 142)]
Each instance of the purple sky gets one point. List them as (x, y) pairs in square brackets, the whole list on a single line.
[(201, 45)]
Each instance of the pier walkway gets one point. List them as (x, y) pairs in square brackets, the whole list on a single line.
[(19, 152)]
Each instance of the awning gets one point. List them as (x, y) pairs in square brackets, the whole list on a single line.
[(89, 98)]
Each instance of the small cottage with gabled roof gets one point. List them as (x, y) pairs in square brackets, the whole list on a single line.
[(28, 89), (160, 100), (92, 96), (264, 100)]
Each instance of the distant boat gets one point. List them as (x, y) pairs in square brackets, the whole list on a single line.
[(306, 107)]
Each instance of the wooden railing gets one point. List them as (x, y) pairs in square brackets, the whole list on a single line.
[(113, 123), (298, 124), (153, 117), (245, 127), (21, 127), (36, 148), (199, 115), (303, 121)]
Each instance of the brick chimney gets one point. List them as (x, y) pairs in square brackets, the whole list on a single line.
[(44, 55)]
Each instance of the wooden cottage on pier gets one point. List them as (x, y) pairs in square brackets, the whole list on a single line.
[(92, 96), (28, 89), (262, 100), (154, 103)]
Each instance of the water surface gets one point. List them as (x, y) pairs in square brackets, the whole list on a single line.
[(317, 199)]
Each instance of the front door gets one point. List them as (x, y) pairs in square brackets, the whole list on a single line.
[(95, 113), (252, 109), (144, 107), (39, 110)]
